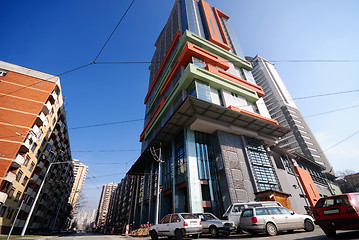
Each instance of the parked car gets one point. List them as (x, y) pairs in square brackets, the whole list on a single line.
[(272, 220), (177, 225), (234, 211), (338, 212), (214, 226)]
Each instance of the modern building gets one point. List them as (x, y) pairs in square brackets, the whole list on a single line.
[(33, 135), (80, 172), (104, 203), (283, 109), (204, 110)]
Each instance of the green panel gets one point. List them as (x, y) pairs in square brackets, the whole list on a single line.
[(205, 44), (193, 72)]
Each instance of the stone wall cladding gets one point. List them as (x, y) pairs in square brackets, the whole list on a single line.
[(235, 180)]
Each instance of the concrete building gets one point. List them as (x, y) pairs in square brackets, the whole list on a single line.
[(104, 203), (33, 134), (205, 112), (80, 172), (282, 108)]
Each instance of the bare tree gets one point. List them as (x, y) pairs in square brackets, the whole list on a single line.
[(348, 180)]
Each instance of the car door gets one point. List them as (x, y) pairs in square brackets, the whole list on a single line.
[(163, 228), (175, 222), (235, 213), (205, 223), (293, 221), (278, 218), (246, 219)]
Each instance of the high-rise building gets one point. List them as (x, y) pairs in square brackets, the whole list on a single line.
[(282, 108), (33, 134), (80, 172), (205, 112), (104, 203)]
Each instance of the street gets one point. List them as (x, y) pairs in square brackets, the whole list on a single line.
[(316, 234)]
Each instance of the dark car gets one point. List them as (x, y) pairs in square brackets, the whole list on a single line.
[(338, 212)]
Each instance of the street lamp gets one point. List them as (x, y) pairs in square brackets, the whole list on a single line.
[(37, 196)]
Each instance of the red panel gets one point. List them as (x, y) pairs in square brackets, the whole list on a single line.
[(237, 80), (168, 54), (152, 118), (253, 114), (218, 14), (214, 33), (308, 185)]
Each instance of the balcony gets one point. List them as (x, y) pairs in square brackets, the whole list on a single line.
[(18, 161), (41, 120), (35, 179), (27, 144), (56, 132), (53, 97), (36, 131), (3, 197), (40, 165), (51, 142), (47, 108), (30, 192), (10, 177)]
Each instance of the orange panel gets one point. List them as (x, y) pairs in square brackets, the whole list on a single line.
[(237, 80), (214, 33), (9, 149), (9, 132), (21, 104), (308, 185), (253, 114), (218, 14), (152, 118), (16, 118), (27, 81), (168, 54), (192, 50), (23, 92)]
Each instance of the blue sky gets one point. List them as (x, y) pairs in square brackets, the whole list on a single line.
[(57, 36)]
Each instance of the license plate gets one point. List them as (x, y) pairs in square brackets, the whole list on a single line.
[(331, 211), (193, 222)]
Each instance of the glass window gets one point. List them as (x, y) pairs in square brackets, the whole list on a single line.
[(262, 211), (274, 211), (19, 175), (17, 197), (175, 218), (166, 219), (33, 147), (26, 162), (24, 181), (2, 211), (11, 192), (203, 91), (247, 213), (31, 166), (237, 208), (10, 212), (285, 210)]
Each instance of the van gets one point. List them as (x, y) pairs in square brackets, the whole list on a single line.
[(234, 211)]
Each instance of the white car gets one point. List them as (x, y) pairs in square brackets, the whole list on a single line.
[(177, 225), (272, 220), (214, 226)]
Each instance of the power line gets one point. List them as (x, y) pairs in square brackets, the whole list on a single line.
[(352, 135), (114, 150), (326, 94), (106, 124), (108, 39), (336, 110)]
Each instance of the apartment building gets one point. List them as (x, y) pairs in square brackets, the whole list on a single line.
[(80, 172), (33, 135), (104, 203)]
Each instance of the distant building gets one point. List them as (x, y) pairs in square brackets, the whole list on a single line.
[(104, 203), (80, 172), (282, 108), (33, 134)]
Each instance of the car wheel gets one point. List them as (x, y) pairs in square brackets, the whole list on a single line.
[(195, 236), (213, 231), (153, 235), (271, 229), (179, 234), (308, 225), (330, 232)]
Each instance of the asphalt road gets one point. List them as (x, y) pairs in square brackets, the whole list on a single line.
[(316, 234)]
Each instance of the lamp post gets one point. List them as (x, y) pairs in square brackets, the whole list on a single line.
[(37, 196), (158, 158)]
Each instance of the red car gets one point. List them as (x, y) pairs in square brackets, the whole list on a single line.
[(338, 212)]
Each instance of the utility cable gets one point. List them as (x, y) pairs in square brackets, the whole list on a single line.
[(105, 124), (108, 39)]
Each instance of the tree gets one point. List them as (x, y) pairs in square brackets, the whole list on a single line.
[(348, 181)]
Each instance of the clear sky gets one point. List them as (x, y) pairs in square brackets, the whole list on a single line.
[(57, 36)]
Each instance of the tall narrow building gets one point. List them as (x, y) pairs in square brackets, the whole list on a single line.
[(80, 172), (205, 112), (33, 134), (104, 203), (283, 109)]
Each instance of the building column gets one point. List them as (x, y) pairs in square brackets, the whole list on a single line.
[(193, 183)]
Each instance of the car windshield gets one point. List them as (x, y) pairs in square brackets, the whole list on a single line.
[(210, 216), (189, 216), (332, 201)]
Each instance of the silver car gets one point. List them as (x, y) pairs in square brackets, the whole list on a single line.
[(272, 220), (214, 226)]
